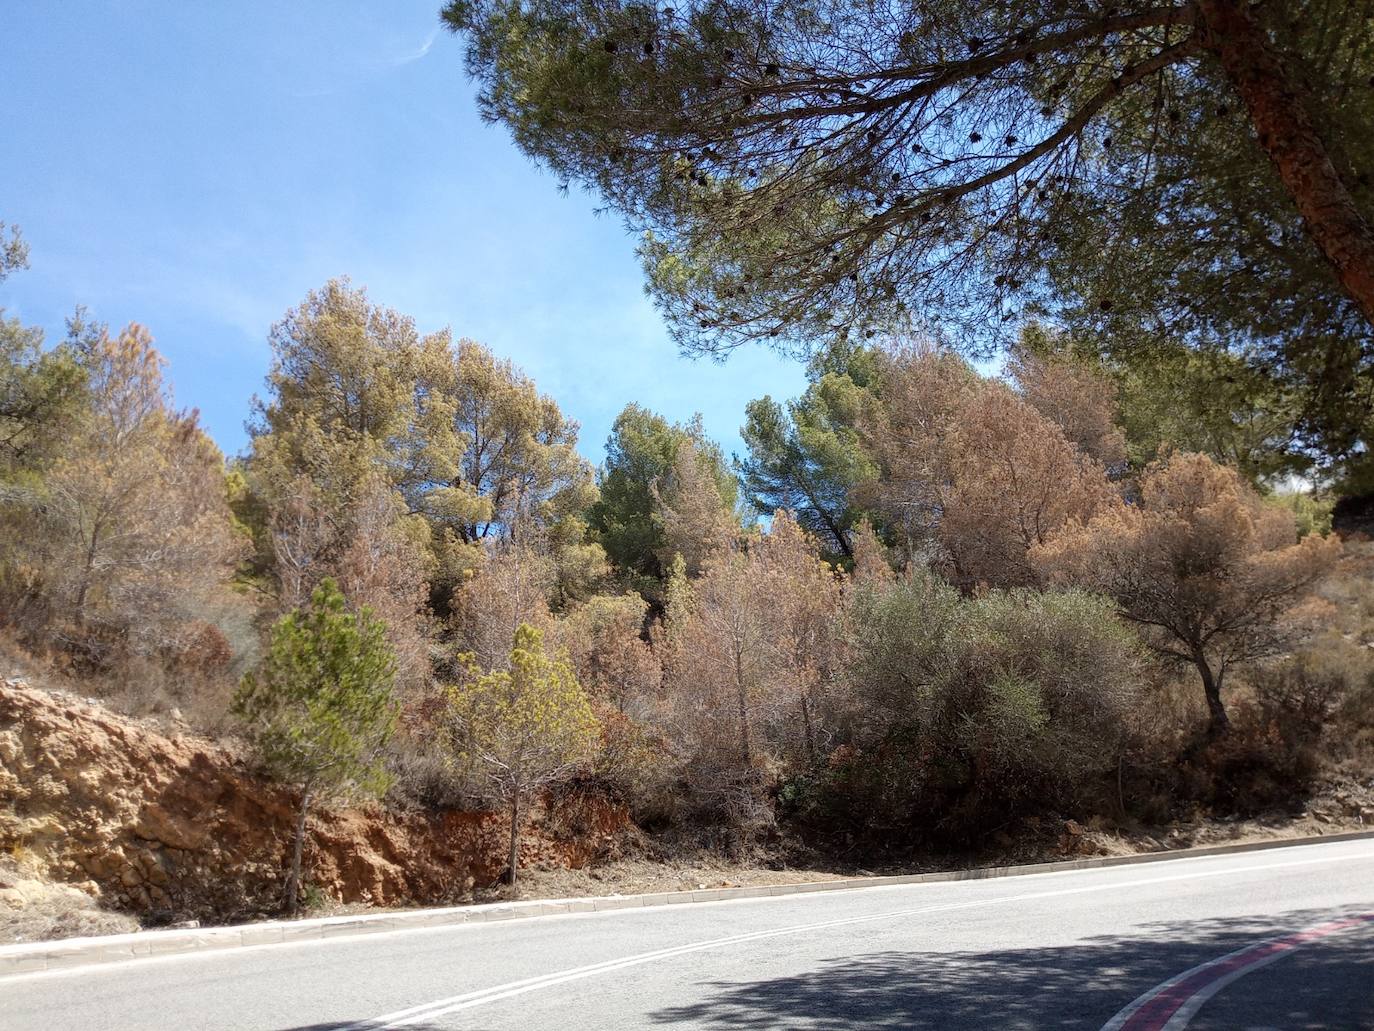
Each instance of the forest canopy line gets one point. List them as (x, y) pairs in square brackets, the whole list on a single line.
[(1188, 180), (927, 602)]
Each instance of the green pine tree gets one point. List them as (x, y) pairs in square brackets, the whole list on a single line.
[(523, 728), (320, 709)]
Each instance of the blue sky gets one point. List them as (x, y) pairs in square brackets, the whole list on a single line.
[(198, 167)]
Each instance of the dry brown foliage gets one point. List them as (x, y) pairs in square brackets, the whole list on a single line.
[(973, 476), (696, 524), (752, 658), (871, 563), (511, 584), (1208, 571), (375, 552), (127, 540), (1079, 399), (604, 639)]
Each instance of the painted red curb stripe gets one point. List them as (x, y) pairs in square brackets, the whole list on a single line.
[(1155, 1012)]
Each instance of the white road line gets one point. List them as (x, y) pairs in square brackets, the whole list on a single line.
[(1182, 1014), (497, 993), (1120, 1020)]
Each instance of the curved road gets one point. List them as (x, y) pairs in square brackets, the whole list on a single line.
[(1273, 939)]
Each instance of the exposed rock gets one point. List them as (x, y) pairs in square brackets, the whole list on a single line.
[(1071, 837), (156, 824), (185, 828)]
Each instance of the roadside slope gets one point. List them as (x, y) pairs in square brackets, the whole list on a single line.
[(181, 827)]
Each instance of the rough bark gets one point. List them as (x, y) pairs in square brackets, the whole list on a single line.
[(514, 837), (1229, 29), (293, 877), (1218, 723)]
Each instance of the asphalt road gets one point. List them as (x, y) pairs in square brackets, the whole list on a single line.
[(1274, 939)]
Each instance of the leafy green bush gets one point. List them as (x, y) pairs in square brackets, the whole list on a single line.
[(1312, 514), (970, 711)]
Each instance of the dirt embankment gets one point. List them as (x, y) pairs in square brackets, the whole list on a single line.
[(168, 828), (180, 827)]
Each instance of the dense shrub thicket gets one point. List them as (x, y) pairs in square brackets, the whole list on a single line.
[(969, 711)]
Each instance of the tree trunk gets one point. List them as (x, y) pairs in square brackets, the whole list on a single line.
[(79, 606), (746, 746), (1218, 722), (808, 731), (514, 838), (841, 538), (293, 876), (1287, 133)]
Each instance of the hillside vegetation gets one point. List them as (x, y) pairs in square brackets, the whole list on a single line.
[(928, 612)]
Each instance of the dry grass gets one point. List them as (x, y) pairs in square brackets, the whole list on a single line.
[(35, 909), (141, 688), (642, 876)]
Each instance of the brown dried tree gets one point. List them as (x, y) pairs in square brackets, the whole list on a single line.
[(1201, 564), (1078, 398), (973, 477), (129, 531), (604, 639)]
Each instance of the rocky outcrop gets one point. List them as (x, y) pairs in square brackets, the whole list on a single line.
[(177, 827)]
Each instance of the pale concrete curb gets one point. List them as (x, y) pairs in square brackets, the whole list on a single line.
[(74, 952)]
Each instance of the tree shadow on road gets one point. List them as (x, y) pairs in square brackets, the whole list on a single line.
[(1327, 985)]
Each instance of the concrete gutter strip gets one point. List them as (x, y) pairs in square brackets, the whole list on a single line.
[(57, 955)]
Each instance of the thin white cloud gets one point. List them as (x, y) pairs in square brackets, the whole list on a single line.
[(365, 69), (415, 55)]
